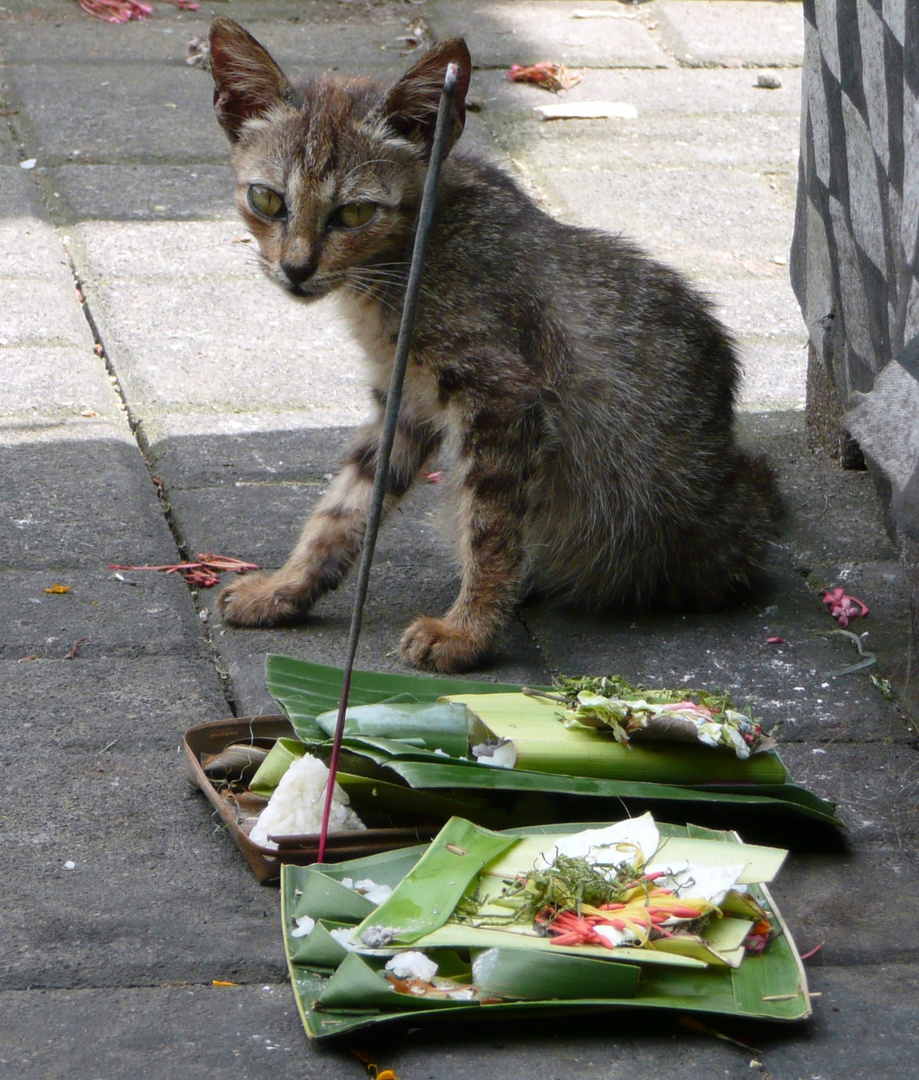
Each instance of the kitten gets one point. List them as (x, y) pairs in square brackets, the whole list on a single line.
[(585, 390)]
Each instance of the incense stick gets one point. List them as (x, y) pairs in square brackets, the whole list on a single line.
[(390, 418)]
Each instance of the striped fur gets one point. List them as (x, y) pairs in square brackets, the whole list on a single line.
[(585, 390)]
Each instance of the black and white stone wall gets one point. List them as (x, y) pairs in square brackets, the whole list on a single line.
[(855, 256)]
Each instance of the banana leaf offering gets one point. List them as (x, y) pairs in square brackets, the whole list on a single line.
[(506, 755), (536, 920)]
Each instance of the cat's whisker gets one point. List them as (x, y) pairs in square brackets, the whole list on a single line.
[(364, 289), (383, 279)]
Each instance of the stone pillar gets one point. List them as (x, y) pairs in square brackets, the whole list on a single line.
[(855, 255)]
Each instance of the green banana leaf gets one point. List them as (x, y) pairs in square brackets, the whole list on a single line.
[(439, 725), (543, 744), (305, 691), (318, 950), (770, 986), (280, 757), (453, 859), (525, 976)]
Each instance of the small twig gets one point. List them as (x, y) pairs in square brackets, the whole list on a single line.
[(859, 644), (530, 692), (73, 652), (202, 573), (812, 952)]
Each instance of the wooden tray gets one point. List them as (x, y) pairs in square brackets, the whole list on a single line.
[(238, 808)]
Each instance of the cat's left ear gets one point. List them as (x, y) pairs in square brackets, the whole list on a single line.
[(247, 82), (411, 105)]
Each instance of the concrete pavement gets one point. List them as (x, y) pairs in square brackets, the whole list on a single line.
[(158, 398)]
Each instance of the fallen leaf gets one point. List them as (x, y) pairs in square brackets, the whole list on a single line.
[(58, 590), (547, 74)]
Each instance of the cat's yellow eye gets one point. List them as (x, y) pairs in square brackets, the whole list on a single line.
[(266, 202), (353, 215)]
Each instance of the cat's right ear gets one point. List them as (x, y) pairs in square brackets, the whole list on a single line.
[(247, 82)]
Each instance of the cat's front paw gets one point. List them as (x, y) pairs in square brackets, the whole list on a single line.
[(438, 645), (261, 600)]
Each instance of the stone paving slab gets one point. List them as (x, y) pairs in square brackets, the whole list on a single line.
[(265, 350), (79, 504), (657, 144), (96, 778), (504, 32), (292, 456), (627, 199), (45, 313), (673, 93), (833, 517), (149, 252), (865, 1028), (740, 134), (47, 383), (259, 522), (29, 246), (153, 1031), (8, 154), (768, 34), (754, 298), (815, 896), (104, 613), (120, 113), (871, 782), (316, 33), (135, 192)]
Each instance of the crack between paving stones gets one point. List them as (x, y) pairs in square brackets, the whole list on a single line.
[(136, 428)]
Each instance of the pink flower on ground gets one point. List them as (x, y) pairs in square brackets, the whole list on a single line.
[(842, 607)]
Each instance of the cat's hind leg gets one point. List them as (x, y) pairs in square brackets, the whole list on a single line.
[(333, 537)]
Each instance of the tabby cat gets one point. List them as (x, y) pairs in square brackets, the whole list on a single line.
[(585, 391)]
